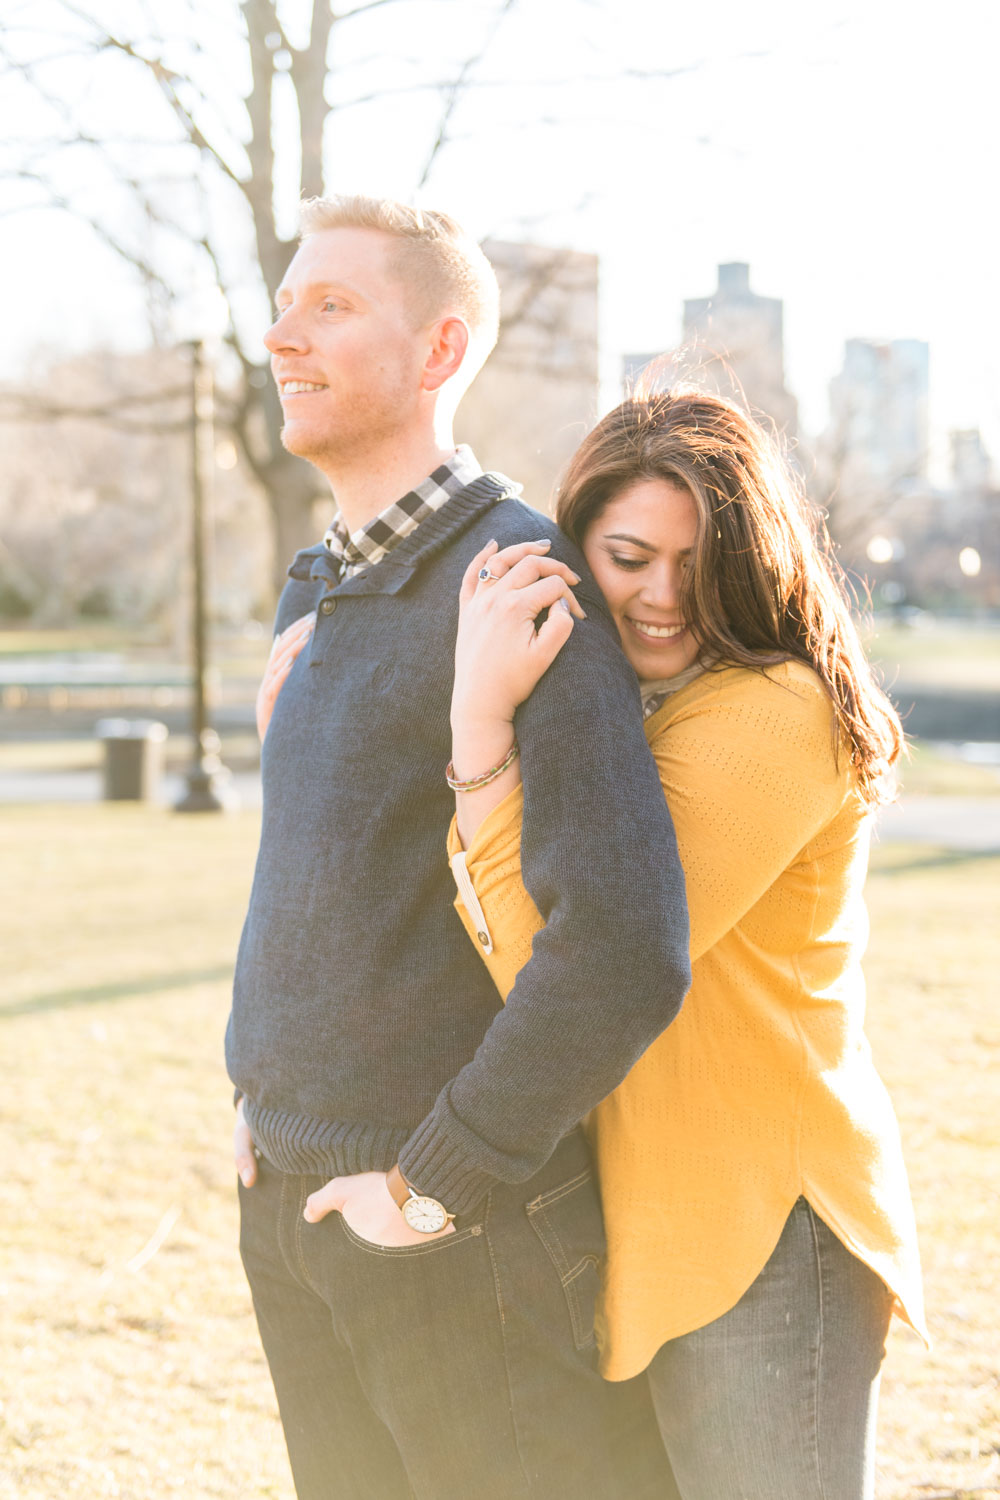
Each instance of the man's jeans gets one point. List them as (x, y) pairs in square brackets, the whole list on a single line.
[(463, 1369), (776, 1399)]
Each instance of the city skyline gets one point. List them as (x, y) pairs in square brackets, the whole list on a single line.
[(842, 155)]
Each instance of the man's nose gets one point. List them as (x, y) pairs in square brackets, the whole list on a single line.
[(284, 333)]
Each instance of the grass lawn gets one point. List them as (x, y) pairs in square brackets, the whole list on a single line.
[(941, 654), (132, 1366)]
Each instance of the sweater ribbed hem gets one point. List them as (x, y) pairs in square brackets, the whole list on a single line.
[(301, 1144)]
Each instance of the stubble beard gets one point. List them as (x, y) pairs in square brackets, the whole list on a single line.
[(361, 434)]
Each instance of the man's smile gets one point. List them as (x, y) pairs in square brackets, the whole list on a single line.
[(299, 387)]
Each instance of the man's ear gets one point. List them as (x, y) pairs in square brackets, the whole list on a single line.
[(449, 340)]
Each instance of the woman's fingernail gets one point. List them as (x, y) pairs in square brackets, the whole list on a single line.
[(565, 605), (245, 1177), (545, 542)]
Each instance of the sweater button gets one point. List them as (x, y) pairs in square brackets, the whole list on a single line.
[(327, 606)]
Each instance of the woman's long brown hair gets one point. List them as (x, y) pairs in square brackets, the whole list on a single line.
[(763, 585)]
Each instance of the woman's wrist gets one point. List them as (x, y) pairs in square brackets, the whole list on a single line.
[(475, 749), (477, 718)]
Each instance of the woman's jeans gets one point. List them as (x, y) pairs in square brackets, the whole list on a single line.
[(463, 1369), (776, 1399)]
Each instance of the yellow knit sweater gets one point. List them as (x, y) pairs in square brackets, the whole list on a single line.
[(763, 1088)]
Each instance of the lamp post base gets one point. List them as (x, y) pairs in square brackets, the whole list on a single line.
[(209, 782)]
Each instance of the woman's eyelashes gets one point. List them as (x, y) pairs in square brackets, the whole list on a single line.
[(633, 564)]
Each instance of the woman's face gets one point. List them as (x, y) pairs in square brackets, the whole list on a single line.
[(637, 549)]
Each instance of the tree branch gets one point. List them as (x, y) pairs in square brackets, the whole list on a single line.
[(59, 201), (169, 81), (454, 93), (359, 10)]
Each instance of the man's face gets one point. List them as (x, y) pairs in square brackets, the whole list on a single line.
[(345, 351)]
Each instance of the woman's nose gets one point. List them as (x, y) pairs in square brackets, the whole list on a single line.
[(660, 588)]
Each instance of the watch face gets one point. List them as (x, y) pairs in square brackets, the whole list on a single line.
[(425, 1215)]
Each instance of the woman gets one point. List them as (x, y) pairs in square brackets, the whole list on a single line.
[(760, 1233)]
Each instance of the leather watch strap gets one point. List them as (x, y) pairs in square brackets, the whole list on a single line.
[(398, 1186)]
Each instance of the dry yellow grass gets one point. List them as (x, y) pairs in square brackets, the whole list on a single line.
[(131, 1363), (935, 1031)]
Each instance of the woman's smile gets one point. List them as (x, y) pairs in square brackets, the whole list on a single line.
[(639, 547)]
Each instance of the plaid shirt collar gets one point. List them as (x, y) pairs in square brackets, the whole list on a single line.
[(360, 549)]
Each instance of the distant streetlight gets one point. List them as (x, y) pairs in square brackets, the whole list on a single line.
[(970, 562), (880, 550), (206, 770)]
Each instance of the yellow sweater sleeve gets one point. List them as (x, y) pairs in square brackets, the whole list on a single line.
[(749, 772), (493, 861)]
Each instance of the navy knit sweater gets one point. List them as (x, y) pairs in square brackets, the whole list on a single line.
[(364, 1027)]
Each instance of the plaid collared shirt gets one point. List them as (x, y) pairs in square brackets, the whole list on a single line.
[(360, 549)]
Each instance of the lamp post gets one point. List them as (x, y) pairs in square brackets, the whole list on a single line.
[(206, 775)]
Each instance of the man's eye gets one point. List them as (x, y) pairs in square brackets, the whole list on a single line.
[(330, 304)]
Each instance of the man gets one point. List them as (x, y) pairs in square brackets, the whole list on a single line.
[(419, 1226)]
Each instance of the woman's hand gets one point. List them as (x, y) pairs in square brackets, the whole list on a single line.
[(368, 1209), (499, 658), (499, 654), (286, 648)]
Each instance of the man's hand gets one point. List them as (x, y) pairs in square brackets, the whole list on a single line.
[(286, 648), (243, 1149), (368, 1209)]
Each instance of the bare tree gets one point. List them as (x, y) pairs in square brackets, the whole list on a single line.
[(212, 160)]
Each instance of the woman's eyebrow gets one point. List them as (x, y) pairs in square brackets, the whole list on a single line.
[(622, 536)]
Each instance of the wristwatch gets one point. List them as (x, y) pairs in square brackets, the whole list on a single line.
[(425, 1215)]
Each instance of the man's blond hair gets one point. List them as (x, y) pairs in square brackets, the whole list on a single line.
[(442, 266)]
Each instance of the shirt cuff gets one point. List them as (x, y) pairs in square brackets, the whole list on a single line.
[(500, 821)]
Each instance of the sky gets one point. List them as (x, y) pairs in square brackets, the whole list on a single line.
[(846, 151)]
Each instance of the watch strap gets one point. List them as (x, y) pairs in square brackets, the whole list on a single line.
[(398, 1186)]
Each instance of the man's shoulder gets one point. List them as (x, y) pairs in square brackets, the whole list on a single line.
[(513, 520)]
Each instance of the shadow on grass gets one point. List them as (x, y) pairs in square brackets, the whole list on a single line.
[(930, 859), (125, 990)]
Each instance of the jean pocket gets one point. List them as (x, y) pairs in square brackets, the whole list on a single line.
[(568, 1221), (409, 1252)]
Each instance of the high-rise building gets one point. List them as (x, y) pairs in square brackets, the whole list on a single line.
[(536, 397), (737, 341), (971, 468), (878, 415), (733, 342)]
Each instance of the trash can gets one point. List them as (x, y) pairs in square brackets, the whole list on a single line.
[(133, 758)]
